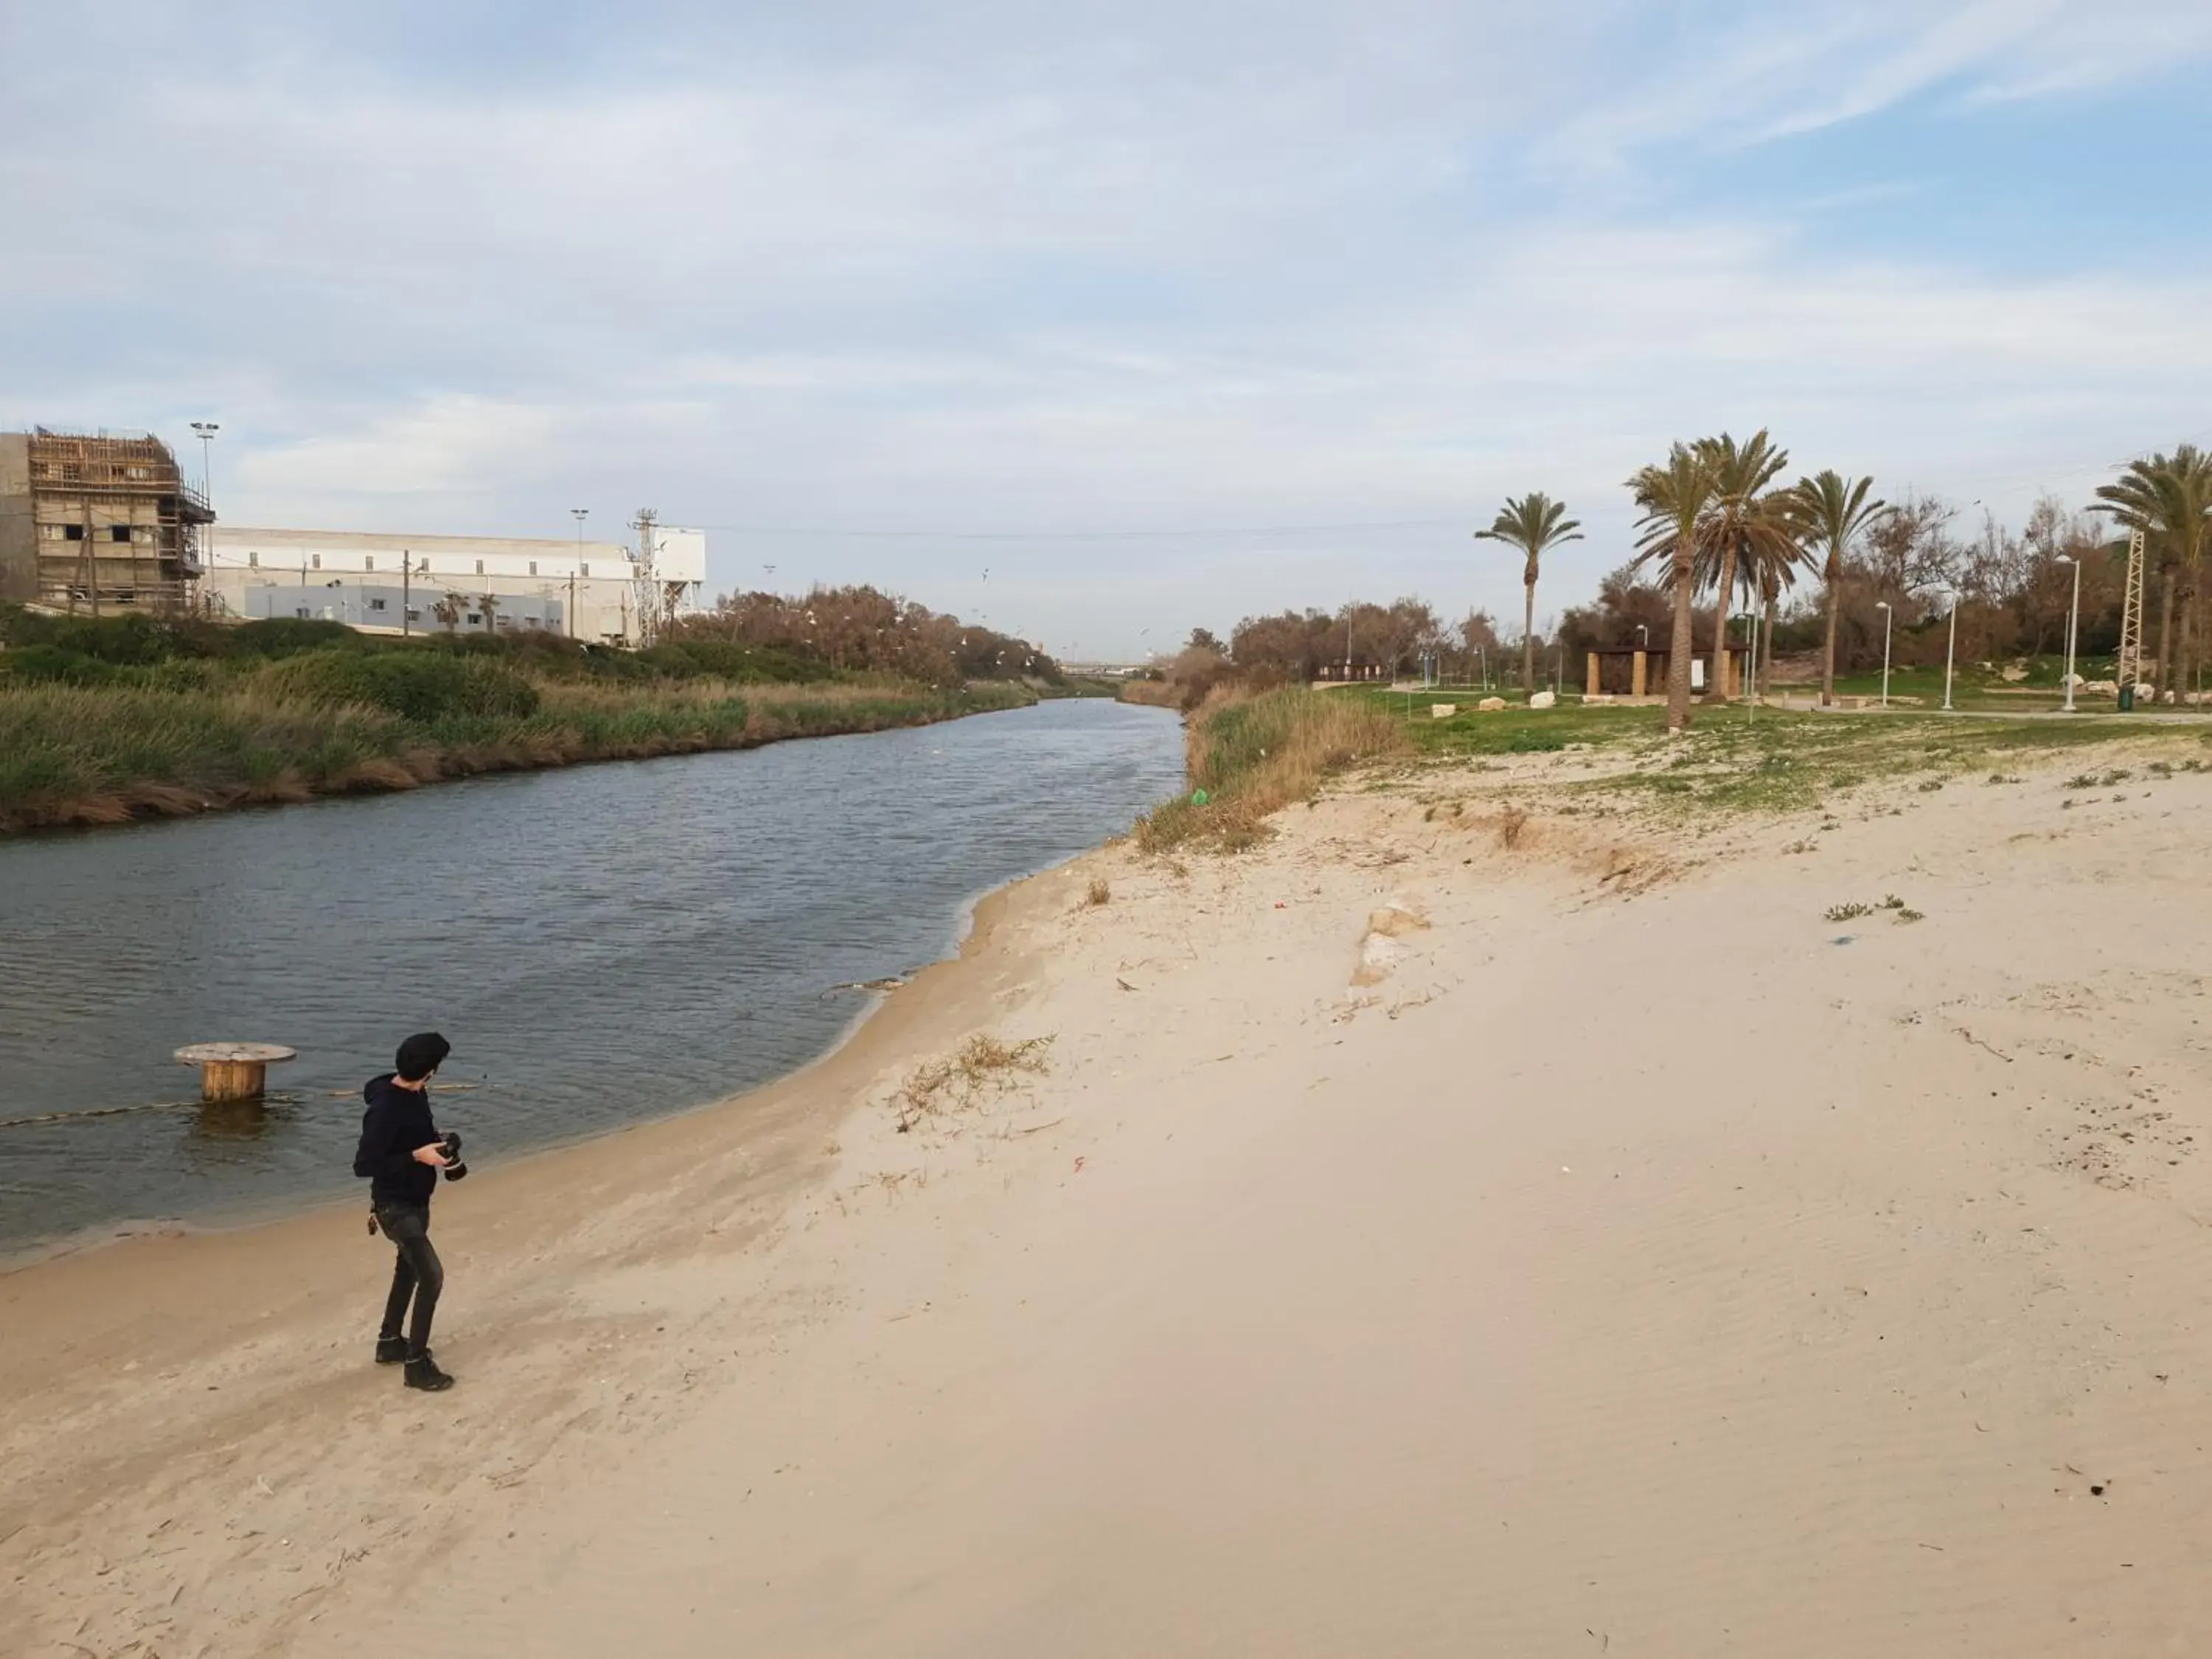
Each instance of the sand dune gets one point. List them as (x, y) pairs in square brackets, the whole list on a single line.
[(1417, 1244)]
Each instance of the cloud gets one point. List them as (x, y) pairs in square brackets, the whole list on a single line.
[(999, 268)]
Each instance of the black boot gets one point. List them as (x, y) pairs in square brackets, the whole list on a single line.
[(423, 1372), (390, 1350)]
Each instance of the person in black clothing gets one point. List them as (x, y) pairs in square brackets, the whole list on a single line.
[(400, 1155)]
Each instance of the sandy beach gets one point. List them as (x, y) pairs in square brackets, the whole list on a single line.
[(1438, 1231)]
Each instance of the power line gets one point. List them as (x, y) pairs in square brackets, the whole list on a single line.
[(1076, 535)]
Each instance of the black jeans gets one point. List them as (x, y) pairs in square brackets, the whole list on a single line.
[(418, 1273)]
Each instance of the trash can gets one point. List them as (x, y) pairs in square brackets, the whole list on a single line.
[(2127, 696)]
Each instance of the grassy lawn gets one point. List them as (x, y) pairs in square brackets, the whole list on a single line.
[(1777, 759)]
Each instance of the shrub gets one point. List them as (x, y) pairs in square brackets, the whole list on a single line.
[(288, 636), (55, 664), (423, 686)]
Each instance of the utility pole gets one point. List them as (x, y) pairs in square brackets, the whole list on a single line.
[(406, 587), (91, 557), (648, 607), (579, 513)]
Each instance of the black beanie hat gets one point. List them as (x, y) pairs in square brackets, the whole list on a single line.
[(421, 1055)]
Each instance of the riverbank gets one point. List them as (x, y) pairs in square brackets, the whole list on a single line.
[(79, 756), (1399, 1237)]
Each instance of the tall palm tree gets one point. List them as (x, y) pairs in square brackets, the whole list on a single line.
[(1739, 518), (2169, 498), (1535, 524), (1831, 513), (1676, 498)]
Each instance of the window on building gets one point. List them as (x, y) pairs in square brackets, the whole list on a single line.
[(368, 561), (479, 567), (533, 566), (584, 569), (423, 565), (72, 532), (414, 613), (376, 605), (315, 560), (302, 613), (474, 619), (252, 559), (118, 532)]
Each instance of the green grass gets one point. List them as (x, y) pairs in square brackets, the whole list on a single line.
[(105, 754), (1775, 762)]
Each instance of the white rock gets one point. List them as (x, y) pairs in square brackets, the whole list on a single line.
[(1542, 700)]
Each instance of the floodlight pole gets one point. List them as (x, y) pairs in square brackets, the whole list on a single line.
[(2072, 627), (1951, 650), (1888, 616)]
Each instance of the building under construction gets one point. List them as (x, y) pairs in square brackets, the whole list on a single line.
[(96, 524)]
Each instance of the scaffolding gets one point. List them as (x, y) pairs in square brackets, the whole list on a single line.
[(115, 526), (2130, 670)]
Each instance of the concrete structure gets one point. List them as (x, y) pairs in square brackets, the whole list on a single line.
[(423, 584), (1628, 670), (97, 523)]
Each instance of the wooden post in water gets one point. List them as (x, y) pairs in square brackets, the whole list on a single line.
[(234, 1071)]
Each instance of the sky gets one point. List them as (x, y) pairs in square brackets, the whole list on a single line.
[(1102, 321)]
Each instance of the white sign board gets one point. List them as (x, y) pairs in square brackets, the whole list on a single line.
[(1696, 673)]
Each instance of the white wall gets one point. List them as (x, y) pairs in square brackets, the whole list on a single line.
[(597, 574), (242, 561)]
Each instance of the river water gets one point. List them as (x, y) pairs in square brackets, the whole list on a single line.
[(602, 945)]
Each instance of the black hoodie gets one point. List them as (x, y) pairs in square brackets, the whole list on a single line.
[(397, 1122)]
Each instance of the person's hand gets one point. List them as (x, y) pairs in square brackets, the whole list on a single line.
[(434, 1155)]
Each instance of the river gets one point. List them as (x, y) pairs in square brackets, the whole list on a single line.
[(603, 944)]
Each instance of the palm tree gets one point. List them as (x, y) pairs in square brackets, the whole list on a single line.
[(1534, 524), (2169, 498), (1739, 518), (1831, 513), (1770, 566), (1676, 498)]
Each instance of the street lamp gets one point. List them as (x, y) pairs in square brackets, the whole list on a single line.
[(1887, 617), (2073, 626), (1951, 650)]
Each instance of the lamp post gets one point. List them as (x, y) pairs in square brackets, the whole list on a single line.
[(1751, 672), (1951, 650), (1888, 616), (2073, 626), (1482, 661)]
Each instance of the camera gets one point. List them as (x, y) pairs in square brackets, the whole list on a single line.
[(454, 1168)]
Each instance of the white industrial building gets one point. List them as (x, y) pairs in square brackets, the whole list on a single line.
[(464, 584)]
